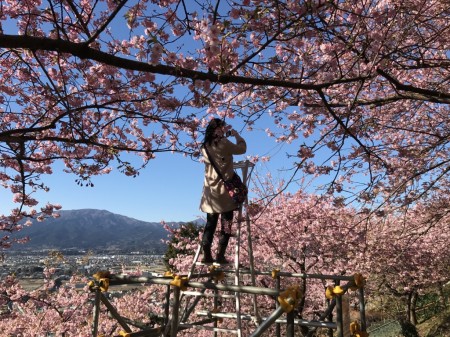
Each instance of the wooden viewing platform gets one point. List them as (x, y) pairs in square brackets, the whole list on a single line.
[(212, 284)]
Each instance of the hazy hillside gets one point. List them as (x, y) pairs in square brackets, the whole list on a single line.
[(93, 229)]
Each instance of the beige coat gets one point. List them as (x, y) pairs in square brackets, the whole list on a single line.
[(215, 198)]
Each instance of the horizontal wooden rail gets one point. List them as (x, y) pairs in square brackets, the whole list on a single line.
[(318, 324), (120, 279)]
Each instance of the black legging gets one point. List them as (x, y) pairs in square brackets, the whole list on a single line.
[(210, 228)]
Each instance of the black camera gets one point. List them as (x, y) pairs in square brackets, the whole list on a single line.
[(228, 133)]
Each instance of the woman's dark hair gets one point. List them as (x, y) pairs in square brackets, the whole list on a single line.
[(210, 130)]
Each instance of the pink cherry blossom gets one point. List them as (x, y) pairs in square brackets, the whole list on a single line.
[(359, 91)]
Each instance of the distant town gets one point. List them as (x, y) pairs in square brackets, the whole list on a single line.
[(29, 266)]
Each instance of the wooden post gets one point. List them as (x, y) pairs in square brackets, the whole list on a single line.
[(175, 309), (197, 254), (340, 331), (216, 306), (252, 264), (362, 309), (96, 313), (330, 315), (346, 315), (246, 175), (114, 313), (290, 327), (277, 287), (267, 322), (167, 306), (236, 276)]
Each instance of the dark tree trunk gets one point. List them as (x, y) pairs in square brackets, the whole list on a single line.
[(411, 303), (412, 308), (408, 324), (408, 307)]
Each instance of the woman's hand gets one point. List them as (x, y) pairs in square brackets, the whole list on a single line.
[(233, 132)]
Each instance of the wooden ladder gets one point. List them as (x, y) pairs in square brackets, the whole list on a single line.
[(215, 272)]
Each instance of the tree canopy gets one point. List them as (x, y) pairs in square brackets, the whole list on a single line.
[(365, 84)]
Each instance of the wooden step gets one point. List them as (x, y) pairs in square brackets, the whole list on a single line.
[(224, 315), (199, 293), (199, 263), (210, 328)]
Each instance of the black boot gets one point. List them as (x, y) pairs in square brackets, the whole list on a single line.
[(207, 256), (221, 254)]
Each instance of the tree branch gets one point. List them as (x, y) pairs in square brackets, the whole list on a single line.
[(83, 51), (430, 95)]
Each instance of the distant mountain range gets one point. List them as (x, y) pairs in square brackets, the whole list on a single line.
[(93, 229)]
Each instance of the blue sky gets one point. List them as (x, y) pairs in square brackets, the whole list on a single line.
[(168, 189)]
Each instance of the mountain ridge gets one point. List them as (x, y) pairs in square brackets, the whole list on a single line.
[(94, 229)]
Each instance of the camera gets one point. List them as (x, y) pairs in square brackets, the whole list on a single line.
[(228, 133)]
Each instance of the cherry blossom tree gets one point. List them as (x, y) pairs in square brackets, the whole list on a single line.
[(68, 310), (407, 256), (401, 255), (181, 246), (361, 88), (404, 255)]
